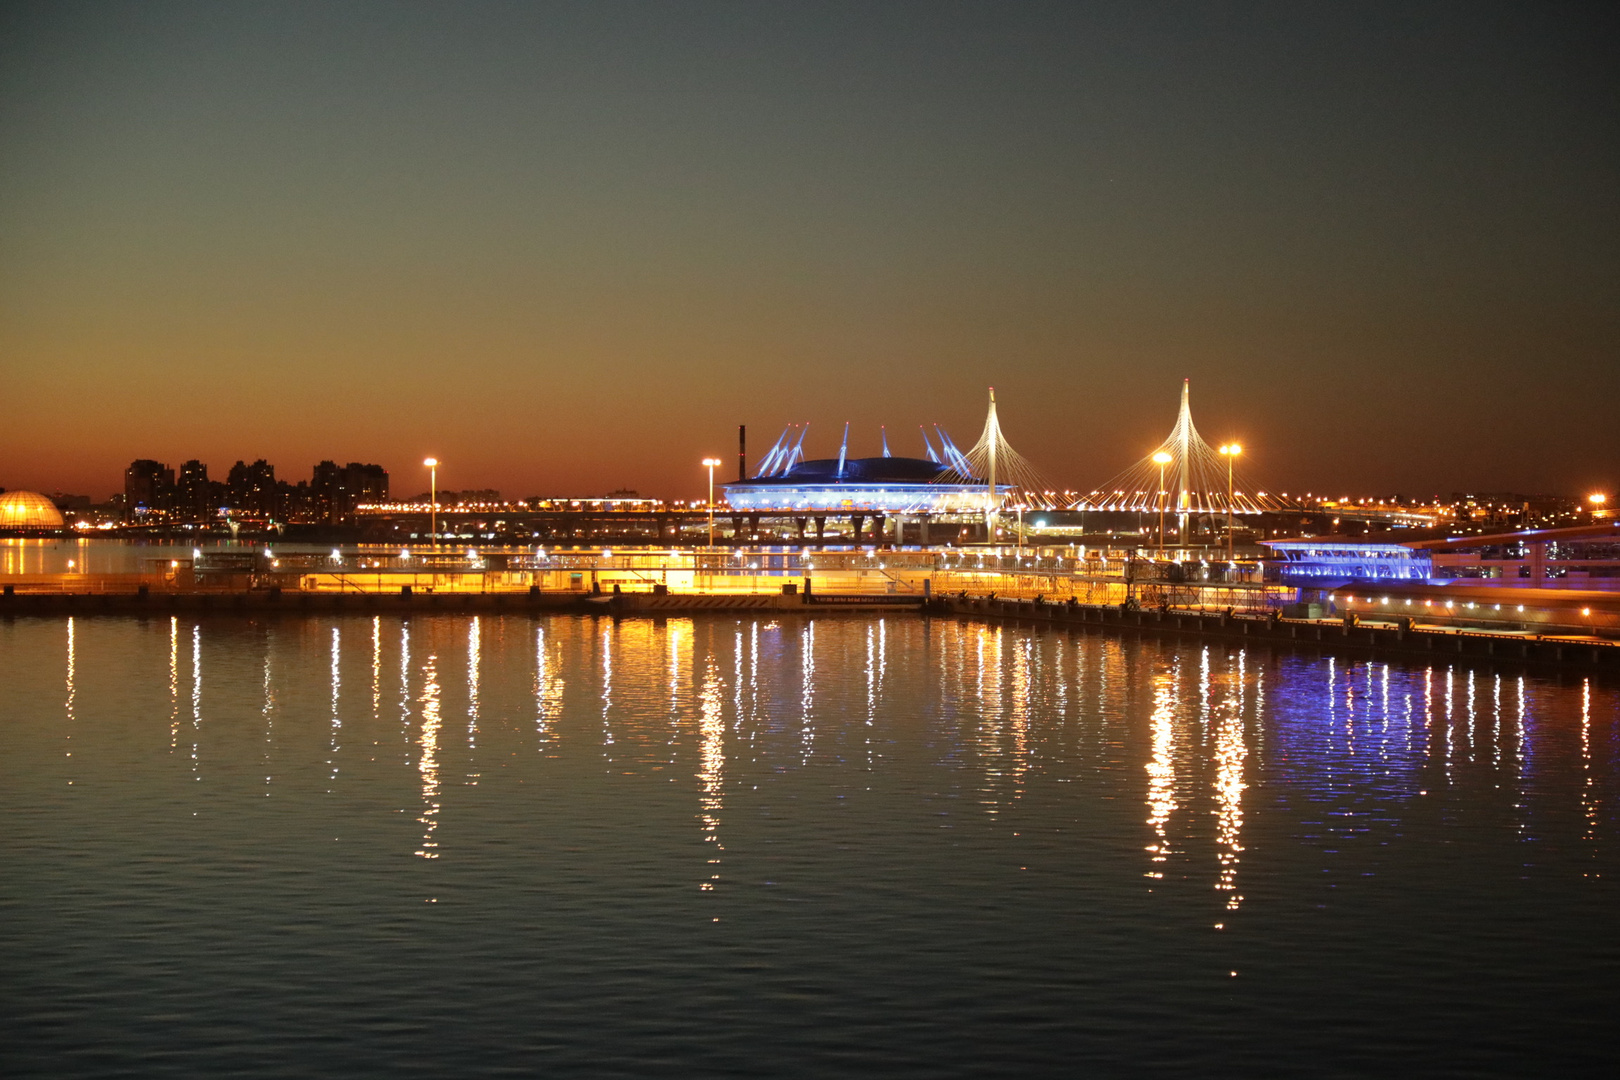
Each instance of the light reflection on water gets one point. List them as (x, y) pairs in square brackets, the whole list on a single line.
[(428, 763), (337, 691), (1161, 769), (940, 824), (1231, 753), (196, 702), (711, 768), (475, 651)]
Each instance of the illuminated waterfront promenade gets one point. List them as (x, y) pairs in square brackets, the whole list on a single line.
[(1088, 590), (1105, 576)]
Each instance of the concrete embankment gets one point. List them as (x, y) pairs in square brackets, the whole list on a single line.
[(1412, 643), (270, 601), (1394, 642)]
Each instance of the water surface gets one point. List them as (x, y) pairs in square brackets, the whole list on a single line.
[(476, 846)]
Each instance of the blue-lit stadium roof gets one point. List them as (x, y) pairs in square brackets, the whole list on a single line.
[(872, 485), (879, 470)]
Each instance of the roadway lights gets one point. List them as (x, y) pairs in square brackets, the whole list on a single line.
[(1161, 459), (1230, 451), (432, 464), (710, 463)]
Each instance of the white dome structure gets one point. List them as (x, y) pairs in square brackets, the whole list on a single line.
[(28, 510)]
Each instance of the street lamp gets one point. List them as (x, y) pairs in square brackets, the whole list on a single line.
[(711, 462), (433, 481), (1597, 499), (1161, 459), (1230, 452)]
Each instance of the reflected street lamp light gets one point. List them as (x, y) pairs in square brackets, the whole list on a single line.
[(1230, 452), (711, 462), (433, 481), (1161, 459)]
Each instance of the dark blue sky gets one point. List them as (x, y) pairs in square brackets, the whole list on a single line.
[(567, 248)]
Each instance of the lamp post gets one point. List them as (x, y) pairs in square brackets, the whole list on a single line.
[(1230, 452), (1597, 499), (711, 462), (433, 488), (1161, 459)]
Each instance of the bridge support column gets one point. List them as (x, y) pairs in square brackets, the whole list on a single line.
[(857, 525), (879, 527), (821, 529), (800, 522)]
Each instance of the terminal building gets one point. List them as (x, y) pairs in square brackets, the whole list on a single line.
[(1580, 557), (1562, 581), (1326, 562)]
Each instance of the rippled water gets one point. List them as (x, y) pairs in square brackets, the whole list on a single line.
[(460, 846)]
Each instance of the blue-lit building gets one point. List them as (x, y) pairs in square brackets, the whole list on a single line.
[(876, 485), (902, 497), (1327, 563)]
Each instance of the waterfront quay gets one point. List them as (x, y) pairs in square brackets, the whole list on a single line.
[(1390, 640), (1097, 589), (1099, 576), (1403, 639)]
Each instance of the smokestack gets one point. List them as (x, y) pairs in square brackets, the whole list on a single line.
[(742, 451)]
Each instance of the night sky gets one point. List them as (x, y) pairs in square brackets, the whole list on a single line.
[(568, 248)]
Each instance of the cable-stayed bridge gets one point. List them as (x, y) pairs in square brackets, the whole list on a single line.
[(1186, 478)]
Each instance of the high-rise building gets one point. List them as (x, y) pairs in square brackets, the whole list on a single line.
[(148, 485), (334, 492), (193, 494), (326, 494), (252, 489), (365, 483)]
